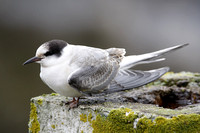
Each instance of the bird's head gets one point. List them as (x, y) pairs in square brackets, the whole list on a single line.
[(48, 53)]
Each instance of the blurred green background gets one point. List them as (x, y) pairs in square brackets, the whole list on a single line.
[(140, 26)]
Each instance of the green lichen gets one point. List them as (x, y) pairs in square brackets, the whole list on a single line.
[(122, 120), (53, 126), (83, 117), (34, 125), (118, 120), (90, 118), (40, 101), (54, 94), (179, 124)]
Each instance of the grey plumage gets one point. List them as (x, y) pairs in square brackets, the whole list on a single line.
[(128, 79), (112, 73), (94, 79)]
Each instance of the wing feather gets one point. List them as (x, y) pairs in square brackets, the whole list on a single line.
[(107, 71), (95, 76), (128, 79)]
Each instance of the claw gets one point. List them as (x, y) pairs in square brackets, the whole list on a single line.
[(73, 103)]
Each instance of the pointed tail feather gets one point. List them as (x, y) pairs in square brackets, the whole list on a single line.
[(130, 61)]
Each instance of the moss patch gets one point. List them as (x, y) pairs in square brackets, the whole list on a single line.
[(179, 124), (40, 101), (83, 117), (53, 126), (54, 94), (34, 125), (122, 120), (118, 120), (90, 118)]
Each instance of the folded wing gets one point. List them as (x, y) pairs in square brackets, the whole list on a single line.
[(110, 72), (128, 79), (95, 74)]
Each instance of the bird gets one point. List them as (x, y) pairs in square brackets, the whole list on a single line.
[(78, 70)]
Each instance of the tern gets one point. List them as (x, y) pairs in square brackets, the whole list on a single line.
[(76, 70)]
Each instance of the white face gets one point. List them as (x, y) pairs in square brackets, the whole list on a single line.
[(40, 53), (49, 53), (47, 60), (41, 50)]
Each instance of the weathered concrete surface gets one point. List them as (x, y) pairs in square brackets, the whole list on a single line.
[(119, 112)]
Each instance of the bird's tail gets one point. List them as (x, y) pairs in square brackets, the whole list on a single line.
[(130, 61)]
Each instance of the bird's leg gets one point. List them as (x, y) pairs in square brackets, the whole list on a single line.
[(74, 99), (73, 103)]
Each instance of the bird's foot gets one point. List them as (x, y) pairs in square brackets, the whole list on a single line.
[(73, 103)]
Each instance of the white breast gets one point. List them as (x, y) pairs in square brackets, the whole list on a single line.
[(56, 77)]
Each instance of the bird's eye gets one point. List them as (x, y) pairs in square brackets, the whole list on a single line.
[(48, 53)]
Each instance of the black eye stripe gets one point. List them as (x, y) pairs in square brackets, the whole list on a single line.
[(48, 53)]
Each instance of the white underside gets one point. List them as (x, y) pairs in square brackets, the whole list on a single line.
[(57, 80)]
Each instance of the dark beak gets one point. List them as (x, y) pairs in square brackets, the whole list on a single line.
[(31, 60)]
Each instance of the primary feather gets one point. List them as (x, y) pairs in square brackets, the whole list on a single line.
[(128, 79)]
